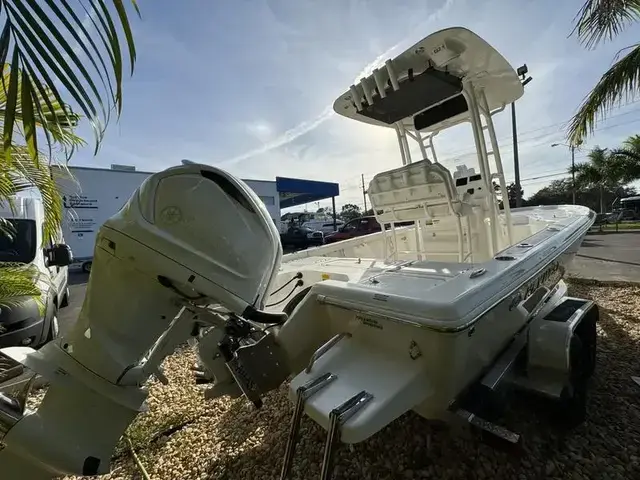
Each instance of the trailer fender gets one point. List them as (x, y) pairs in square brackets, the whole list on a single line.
[(551, 334)]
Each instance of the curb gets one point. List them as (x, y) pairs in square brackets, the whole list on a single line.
[(609, 231)]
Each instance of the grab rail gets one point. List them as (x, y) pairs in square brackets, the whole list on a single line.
[(325, 348)]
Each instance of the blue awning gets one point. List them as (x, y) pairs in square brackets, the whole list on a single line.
[(295, 191)]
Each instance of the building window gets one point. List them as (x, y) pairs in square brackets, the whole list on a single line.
[(268, 200)]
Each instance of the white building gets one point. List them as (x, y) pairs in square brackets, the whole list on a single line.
[(95, 194)]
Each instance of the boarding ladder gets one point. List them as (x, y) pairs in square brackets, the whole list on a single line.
[(338, 417)]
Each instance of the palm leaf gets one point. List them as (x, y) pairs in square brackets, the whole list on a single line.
[(605, 168), (629, 161), (21, 174), (604, 19), (19, 280), (632, 143), (58, 126), (45, 40), (618, 84)]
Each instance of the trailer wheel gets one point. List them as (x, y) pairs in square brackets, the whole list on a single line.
[(86, 267), (572, 406), (587, 331)]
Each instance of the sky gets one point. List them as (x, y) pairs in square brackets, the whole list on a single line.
[(247, 85)]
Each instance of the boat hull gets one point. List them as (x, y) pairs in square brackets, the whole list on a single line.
[(407, 362)]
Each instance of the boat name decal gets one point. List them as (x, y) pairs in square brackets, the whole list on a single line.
[(370, 322), (550, 275)]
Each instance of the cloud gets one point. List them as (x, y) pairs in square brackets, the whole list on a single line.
[(306, 126), (247, 87), (260, 129), (309, 125)]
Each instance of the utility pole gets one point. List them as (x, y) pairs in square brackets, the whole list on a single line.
[(516, 160), (522, 72), (573, 169), (573, 173), (364, 194)]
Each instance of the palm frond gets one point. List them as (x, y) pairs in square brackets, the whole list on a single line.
[(627, 153), (19, 280), (605, 168), (44, 40), (621, 82), (628, 161), (586, 174), (21, 174), (58, 127), (604, 19)]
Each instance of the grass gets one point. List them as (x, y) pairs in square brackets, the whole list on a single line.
[(622, 226)]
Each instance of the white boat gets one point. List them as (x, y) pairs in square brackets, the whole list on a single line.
[(436, 317), (416, 317)]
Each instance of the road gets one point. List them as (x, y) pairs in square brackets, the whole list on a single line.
[(77, 286), (608, 257)]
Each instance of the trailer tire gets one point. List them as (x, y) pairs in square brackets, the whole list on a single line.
[(572, 406), (65, 298), (52, 326), (587, 331)]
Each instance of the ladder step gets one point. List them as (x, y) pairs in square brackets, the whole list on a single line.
[(304, 392), (338, 417)]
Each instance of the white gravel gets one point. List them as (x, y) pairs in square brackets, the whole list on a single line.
[(223, 439)]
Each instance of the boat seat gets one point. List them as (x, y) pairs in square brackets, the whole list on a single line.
[(413, 192), (426, 193)]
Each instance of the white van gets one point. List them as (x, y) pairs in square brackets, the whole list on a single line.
[(326, 225), (22, 320)]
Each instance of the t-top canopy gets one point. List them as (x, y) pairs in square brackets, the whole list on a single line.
[(422, 88)]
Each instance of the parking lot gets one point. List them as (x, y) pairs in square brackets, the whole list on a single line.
[(608, 257)]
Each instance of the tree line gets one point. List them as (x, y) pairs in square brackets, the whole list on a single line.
[(599, 181)]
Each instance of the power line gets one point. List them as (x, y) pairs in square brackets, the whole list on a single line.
[(473, 152), (544, 176)]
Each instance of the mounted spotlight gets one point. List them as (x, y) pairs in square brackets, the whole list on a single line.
[(522, 71)]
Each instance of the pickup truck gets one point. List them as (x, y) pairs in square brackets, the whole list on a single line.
[(301, 237)]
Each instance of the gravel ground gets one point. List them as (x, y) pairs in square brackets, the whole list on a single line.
[(184, 437)]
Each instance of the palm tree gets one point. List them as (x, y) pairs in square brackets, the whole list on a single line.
[(603, 170), (53, 52), (600, 20), (629, 155)]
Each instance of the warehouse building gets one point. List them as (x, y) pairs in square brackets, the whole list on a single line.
[(95, 194)]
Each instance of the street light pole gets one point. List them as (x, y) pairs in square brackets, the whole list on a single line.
[(522, 72), (573, 169)]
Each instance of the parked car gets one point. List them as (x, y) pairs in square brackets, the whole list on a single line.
[(359, 227), (301, 237), (624, 215), (354, 228)]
